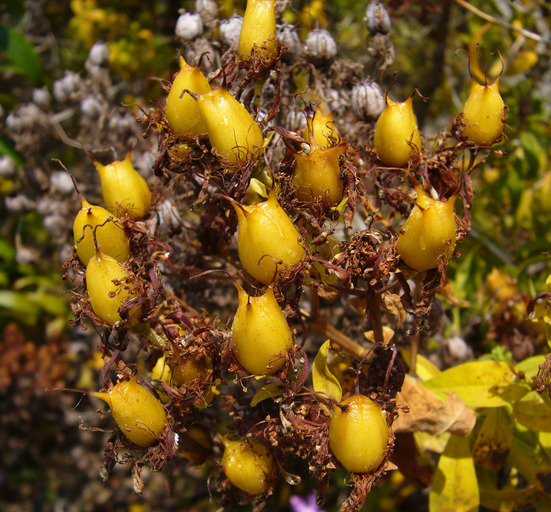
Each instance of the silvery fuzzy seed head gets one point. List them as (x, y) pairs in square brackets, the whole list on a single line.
[(66, 86), (295, 121), (168, 217), (230, 31), (14, 123), (377, 19), (99, 54), (287, 34), (41, 97), (7, 166), (320, 47), (18, 204), (56, 225), (62, 182), (90, 107), (381, 48), (368, 100), (189, 26), (208, 10)]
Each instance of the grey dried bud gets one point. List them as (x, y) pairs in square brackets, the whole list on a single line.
[(99, 54), (320, 47), (368, 100), (287, 34), (18, 204), (377, 19), (380, 48), (41, 97), (189, 26), (230, 30)]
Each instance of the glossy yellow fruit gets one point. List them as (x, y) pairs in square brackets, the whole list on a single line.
[(258, 31), (195, 444), (248, 465), (483, 116), (232, 131), (322, 129), (191, 368), (429, 233), (105, 276), (110, 236), (182, 111), (317, 175), (358, 434), (261, 335), (123, 189), (502, 286), (397, 139), (266, 235), (139, 415)]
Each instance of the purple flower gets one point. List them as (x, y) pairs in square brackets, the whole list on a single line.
[(299, 504)]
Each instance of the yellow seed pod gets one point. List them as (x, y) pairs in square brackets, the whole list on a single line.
[(318, 174), (232, 131), (483, 118), (397, 139), (501, 286), (110, 236), (258, 31), (110, 286), (358, 434), (322, 129), (248, 465), (429, 233), (182, 111), (124, 190), (195, 444), (139, 415), (190, 368), (261, 335), (266, 235)]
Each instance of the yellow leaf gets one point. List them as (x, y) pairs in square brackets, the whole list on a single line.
[(531, 366), (455, 486), (268, 391), (507, 500), (424, 369), (534, 412), (324, 381), (480, 383), (494, 440)]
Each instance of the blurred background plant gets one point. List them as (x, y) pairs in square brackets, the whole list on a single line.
[(72, 76)]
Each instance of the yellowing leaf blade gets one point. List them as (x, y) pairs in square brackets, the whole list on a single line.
[(480, 383), (534, 412), (455, 486), (494, 440), (271, 390), (324, 381)]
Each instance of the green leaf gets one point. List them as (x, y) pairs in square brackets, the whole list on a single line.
[(324, 381), (507, 500), (531, 464), (271, 390), (494, 440), (534, 412), (19, 303), (20, 54), (530, 366), (480, 383), (455, 486)]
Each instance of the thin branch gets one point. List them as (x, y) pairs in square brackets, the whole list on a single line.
[(503, 23)]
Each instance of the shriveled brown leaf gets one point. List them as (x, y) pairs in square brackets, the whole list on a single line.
[(428, 413), (393, 304)]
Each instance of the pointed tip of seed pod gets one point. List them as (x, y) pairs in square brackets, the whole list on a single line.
[(102, 395)]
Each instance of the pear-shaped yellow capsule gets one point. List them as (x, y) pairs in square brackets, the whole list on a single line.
[(321, 129), (110, 286), (266, 235), (483, 117), (139, 415), (317, 174), (124, 190), (261, 335), (397, 139), (248, 465), (258, 31), (232, 131), (110, 236), (429, 233), (182, 111), (358, 434)]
